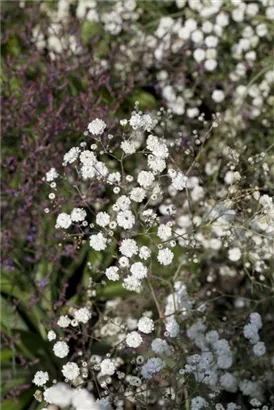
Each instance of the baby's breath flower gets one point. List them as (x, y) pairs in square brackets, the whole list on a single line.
[(152, 366), (145, 325), (63, 321), (138, 270), (71, 156), (51, 335), (70, 371), (112, 273), (98, 242), (144, 252), (125, 219), (102, 219), (63, 221), (107, 367), (78, 215), (234, 254), (145, 178), (97, 127), (60, 349), (51, 175), (40, 378), (165, 256), (128, 247), (82, 315), (134, 339)]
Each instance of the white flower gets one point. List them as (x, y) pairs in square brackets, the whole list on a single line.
[(259, 349), (51, 175), (197, 36), (88, 171), (179, 180), (229, 382), (234, 254), (70, 370), (210, 64), (101, 170), (144, 252), (128, 247), (123, 203), (156, 164), (223, 353), (107, 367), (164, 27), (132, 284), (125, 219), (78, 215), (261, 30), (88, 158), (160, 346), (198, 403), (82, 399), (102, 219), (40, 378), (222, 19), (81, 11), (197, 193), (145, 325), (180, 3), (63, 221), (98, 242), (71, 155), (114, 177), (97, 126), (192, 112), (129, 147), (164, 232), (199, 55), (157, 147), (123, 262), (145, 178), (270, 13), (137, 194), (60, 349), (138, 270), (51, 335), (218, 96), (82, 315), (266, 201), (135, 121), (251, 333), (59, 394), (165, 256), (63, 321), (211, 41), (172, 328), (207, 26), (256, 320), (152, 366), (112, 273), (134, 339)]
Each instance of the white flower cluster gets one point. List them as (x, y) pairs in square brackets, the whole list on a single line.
[(251, 332), (159, 222), (151, 367), (62, 395)]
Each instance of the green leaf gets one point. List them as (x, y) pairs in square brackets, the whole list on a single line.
[(144, 98), (6, 354), (90, 29), (11, 404), (113, 290)]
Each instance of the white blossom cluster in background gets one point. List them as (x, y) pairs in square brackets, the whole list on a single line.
[(162, 231), (221, 43)]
